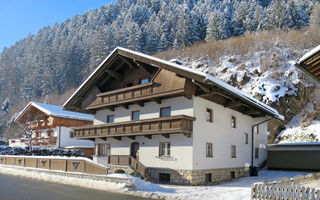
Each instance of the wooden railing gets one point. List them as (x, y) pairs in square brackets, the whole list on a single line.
[(131, 94), (38, 141), (156, 126), (128, 161)]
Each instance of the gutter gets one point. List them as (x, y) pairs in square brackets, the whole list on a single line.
[(252, 143)]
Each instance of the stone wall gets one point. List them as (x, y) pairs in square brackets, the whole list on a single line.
[(197, 177)]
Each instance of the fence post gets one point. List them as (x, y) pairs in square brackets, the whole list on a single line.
[(313, 195), (253, 186), (318, 194)]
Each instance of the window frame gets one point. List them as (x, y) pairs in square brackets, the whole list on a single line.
[(108, 119), (163, 108), (246, 138), (209, 113), (132, 115), (100, 151), (164, 151), (233, 151), (209, 150), (256, 152), (233, 121)]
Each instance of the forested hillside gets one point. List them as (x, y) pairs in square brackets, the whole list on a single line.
[(60, 57)]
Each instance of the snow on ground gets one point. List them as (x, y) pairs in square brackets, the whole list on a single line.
[(299, 133), (238, 189)]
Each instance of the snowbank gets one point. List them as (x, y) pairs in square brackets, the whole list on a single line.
[(238, 189)]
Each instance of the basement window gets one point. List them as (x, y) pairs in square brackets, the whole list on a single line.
[(208, 178), (233, 174), (164, 178)]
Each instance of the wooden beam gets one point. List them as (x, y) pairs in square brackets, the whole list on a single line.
[(140, 103), (166, 135), (252, 112), (118, 138), (127, 62), (158, 101), (141, 66), (148, 136), (114, 74), (202, 86), (234, 104), (132, 137)]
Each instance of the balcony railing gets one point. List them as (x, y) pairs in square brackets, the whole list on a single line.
[(134, 94), (128, 161), (42, 141), (148, 127)]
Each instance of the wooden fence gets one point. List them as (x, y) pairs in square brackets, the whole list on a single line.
[(280, 191), (82, 165)]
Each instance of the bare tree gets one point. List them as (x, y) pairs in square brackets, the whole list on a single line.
[(27, 134)]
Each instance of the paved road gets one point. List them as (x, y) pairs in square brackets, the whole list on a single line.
[(16, 188)]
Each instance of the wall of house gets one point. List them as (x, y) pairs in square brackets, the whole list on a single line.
[(222, 136), (149, 148), (179, 106), (66, 141)]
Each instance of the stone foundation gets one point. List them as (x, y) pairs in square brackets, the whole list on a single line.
[(197, 177)]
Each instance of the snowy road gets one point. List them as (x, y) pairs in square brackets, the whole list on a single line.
[(16, 188)]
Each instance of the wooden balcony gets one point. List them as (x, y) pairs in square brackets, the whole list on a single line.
[(134, 94), (157, 126), (44, 141)]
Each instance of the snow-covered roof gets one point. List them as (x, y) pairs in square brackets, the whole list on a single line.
[(57, 111), (204, 76), (309, 54)]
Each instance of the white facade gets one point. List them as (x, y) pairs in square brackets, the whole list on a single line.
[(189, 153)]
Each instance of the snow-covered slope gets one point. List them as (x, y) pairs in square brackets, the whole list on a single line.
[(271, 76)]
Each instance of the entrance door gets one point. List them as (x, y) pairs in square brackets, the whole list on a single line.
[(135, 150)]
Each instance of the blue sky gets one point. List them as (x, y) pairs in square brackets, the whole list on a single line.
[(19, 18)]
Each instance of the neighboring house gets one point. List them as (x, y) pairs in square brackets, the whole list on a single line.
[(310, 63), (169, 122), (51, 126)]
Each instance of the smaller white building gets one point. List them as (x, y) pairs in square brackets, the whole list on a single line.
[(50, 125)]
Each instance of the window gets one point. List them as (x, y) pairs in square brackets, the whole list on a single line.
[(256, 152), (110, 118), (38, 134), (102, 149), (71, 134), (209, 150), (50, 133), (165, 112), (164, 149), (233, 151), (144, 80), (209, 115), (208, 178), (257, 129), (246, 138), (233, 121), (135, 115)]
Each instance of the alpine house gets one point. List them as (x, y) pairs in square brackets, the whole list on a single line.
[(50, 125), (169, 122)]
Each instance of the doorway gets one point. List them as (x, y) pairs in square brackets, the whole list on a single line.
[(134, 152)]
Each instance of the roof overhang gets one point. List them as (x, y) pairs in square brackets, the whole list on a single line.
[(310, 63), (176, 68)]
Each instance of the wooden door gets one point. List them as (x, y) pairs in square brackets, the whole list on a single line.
[(135, 150)]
